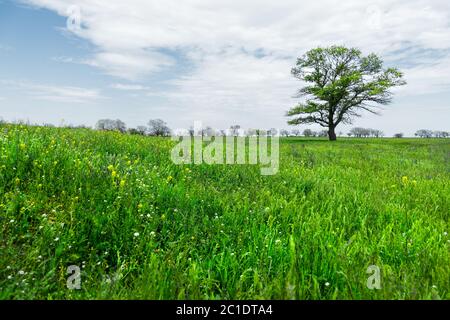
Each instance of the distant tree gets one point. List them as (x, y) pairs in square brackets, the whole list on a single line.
[(103, 124), (284, 133), (251, 132), (349, 134), (440, 134), (398, 135), (295, 132), (424, 133), (376, 133), (111, 125), (158, 127), (322, 133), (120, 125), (208, 132), (133, 131), (357, 132), (234, 130), (142, 130), (341, 83), (307, 132), (272, 132)]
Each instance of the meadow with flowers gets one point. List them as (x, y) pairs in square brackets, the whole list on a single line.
[(141, 227)]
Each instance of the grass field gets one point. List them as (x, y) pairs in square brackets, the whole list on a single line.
[(141, 227)]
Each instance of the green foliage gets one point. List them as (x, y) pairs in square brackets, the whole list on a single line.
[(341, 82), (143, 228)]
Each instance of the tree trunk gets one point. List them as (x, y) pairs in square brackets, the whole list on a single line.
[(331, 133)]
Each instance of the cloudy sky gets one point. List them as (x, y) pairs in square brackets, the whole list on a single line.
[(219, 62)]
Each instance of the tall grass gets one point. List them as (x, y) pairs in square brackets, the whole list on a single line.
[(141, 227)]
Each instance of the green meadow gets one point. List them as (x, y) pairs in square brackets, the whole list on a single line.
[(140, 227)]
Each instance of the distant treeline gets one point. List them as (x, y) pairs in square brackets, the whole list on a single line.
[(158, 127)]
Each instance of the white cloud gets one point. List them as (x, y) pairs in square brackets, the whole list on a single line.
[(65, 94), (242, 51), (129, 87)]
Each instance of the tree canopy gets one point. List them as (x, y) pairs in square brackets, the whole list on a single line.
[(340, 83)]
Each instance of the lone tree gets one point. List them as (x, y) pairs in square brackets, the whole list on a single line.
[(340, 82)]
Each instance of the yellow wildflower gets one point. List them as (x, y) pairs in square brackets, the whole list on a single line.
[(114, 174), (122, 183), (405, 180), (111, 167)]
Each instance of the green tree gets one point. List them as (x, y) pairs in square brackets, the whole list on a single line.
[(340, 83)]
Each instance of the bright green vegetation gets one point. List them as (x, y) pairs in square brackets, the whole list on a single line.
[(145, 228)]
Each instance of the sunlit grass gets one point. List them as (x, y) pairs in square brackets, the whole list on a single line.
[(141, 227)]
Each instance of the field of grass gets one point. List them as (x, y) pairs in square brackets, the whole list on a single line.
[(142, 227)]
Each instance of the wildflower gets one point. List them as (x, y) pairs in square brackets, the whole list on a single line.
[(111, 167), (278, 241), (56, 239), (163, 217), (9, 277), (414, 183), (21, 272), (327, 284), (405, 180), (122, 183), (17, 181), (152, 234), (140, 206), (114, 174), (22, 146), (169, 178), (445, 233), (136, 234)]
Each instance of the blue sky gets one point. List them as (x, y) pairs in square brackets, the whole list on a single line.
[(220, 62)]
